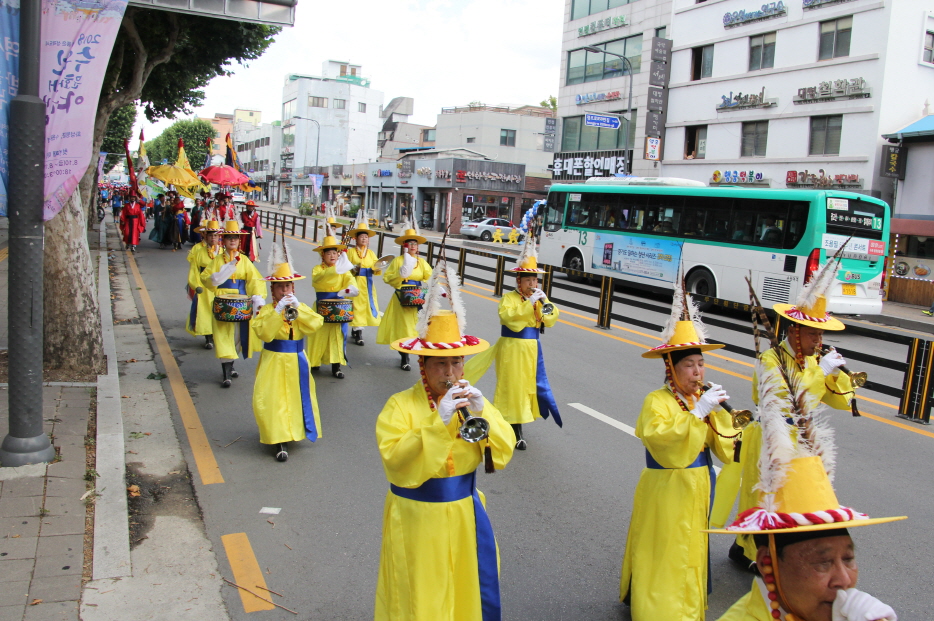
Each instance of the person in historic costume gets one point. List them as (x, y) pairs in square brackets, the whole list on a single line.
[(231, 274), (251, 224), (439, 557), (365, 306), (197, 215), (332, 280), (406, 270), (179, 234), (284, 400), (170, 234), (132, 222), (804, 553), (223, 206), (158, 222), (664, 572), (798, 355), (523, 393), (200, 321)]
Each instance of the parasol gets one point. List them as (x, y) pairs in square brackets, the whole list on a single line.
[(223, 175), (172, 174)]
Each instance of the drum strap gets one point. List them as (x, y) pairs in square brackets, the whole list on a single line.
[(345, 327), (367, 272), (234, 283), (283, 346), (546, 399)]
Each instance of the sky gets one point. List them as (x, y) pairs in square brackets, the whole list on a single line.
[(443, 53)]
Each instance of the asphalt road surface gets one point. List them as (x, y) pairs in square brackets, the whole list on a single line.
[(561, 509)]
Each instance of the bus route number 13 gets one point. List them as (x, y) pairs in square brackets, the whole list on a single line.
[(582, 238)]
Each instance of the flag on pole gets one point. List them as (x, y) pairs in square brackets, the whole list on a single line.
[(232, 159), (210, 145), (129, 165), (143, 160)]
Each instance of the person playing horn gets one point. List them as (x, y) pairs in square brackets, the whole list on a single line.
[(365, 306), (408, 269), (200, 257), (284, 401), (664, 572), (439, 558), (332, 280), (523, 393)]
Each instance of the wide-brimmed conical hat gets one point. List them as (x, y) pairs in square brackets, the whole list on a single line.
[(280, 264), (232, 227), (684, 336), (684, 328), (209, 226), (361, 225)]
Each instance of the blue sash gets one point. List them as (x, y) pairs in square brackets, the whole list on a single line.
[(283, 346), (367, 272), (457, 488), (240, 285), (345, 327), (546, 400)]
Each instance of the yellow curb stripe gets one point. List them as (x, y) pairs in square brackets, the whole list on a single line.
[(205, 463), (246, 571), (5, 253)]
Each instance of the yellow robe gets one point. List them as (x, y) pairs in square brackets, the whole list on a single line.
[(665, 565), (277, 392), (399, 321), (362, 313), (813, 377), (428, 562), (516, 361), (228, 336), (750, 607), (326, 345), (201, 308)]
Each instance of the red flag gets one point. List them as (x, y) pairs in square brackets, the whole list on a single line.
[(129, 165), (141, 139)]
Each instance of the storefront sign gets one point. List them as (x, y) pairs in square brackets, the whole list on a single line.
[(657, 99), (461, 176), (914, 268), (836, 90), (739, 101), (638, 256), (602, 24), (426, 171), (654, 123), (442, 174), (893, 161), (805, 179), (382, 173), (583, 165), (767, 11), (487, 176), (740, 176), (659, 73), (816, 4), (407, 166), (661, 49), (337, 169), (653, 148), (592, 97)]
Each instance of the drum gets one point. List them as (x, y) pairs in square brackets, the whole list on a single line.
[(411, 295), (336, 310), (233, 307)]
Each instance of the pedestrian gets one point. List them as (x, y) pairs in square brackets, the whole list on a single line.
[(181, 221), (116, 204), (229, 276), (200, 257), (334, 286), (439, 558), (664, 572), (251, 224), (365, 306), (132, 222), (284, 401), (929, 312), (406, 274), (523, 393), (197, 214)]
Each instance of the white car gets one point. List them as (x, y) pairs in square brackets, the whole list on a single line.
[(484, 228), (238, 197)]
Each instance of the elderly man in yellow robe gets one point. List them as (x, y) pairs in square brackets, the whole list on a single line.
[(523, 393), (334, 286), (284, 400), (406, 274), (365, 306), (201, 255), (439, 558)]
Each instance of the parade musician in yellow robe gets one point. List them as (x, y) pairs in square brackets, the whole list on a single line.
[(284, 401), (439, 558), (233, 273), (523, 392), (200, 315), (332, 280), (407, 269), (664, 573), (365, 306)]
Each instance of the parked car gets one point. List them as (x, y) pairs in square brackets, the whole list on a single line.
[(483, 229), (238, 197)]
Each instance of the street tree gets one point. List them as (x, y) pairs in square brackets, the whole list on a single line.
[(195, 132), (550, 102), (119, 128), (164, 61)]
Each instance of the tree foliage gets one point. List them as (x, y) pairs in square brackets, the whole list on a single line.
[(195, 132), (119, 128), (550, 102)]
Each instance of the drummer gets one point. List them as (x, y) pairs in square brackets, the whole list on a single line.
[(228, 275), (365, 306), (410, 270), (201, 255), (332, 280)]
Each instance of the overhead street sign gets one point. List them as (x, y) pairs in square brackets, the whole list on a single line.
[(601, 120)]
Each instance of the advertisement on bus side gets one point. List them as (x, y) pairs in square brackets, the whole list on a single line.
[(637, 256)]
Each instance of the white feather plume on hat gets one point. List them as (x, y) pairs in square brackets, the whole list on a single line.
[(529, 251), (443, 284), (819, 285)]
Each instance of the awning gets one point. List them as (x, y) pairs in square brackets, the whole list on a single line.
[(271, 12), (919, 129)]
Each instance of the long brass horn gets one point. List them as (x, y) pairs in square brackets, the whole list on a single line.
[(858, 378), (739, 418)]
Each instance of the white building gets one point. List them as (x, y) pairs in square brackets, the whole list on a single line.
[(258, 148), (329, 119), (398, 135), (793, 94)]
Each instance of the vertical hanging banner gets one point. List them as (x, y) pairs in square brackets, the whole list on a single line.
[(316, 181), (77, 39), (9, 85)]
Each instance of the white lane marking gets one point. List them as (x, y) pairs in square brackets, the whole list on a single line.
[(613, 422)]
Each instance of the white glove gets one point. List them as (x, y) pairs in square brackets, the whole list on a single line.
[(343, 264), (350, 292), (475, 397), (709, 401), (408, 265), (258, 302), (286, 300), (831, 362), (537, 295), (221, 275), (448, 404), (853, 605)]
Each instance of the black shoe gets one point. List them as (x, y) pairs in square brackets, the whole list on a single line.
[(282, 455), (358, 337), (233, 371), (405, 362), (738, 555), (336, 370), (226, 367), (520, 441), (315, 369), (208, 341)]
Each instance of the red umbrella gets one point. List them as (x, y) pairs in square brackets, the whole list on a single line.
[(223, 175)]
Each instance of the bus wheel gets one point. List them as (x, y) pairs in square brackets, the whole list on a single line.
[(700, 282), (574, 261)]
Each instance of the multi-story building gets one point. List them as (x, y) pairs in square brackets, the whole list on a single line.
[(253, 117), (223, 125), (258, 148), (398, 135)]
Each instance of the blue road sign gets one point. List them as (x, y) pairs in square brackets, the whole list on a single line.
[(601, 120)]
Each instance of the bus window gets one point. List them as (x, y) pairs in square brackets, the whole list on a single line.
[(797, 222), (769, 231), (554, 216), (744, 226), (718, 224), (666, 211), (697, 219)]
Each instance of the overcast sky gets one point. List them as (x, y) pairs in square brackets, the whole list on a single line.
[(442, 53)]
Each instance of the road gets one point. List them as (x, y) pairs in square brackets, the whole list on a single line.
[(560, 510)]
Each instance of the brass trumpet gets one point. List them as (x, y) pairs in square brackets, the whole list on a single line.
[(474, 428), (291, 312), (547, 308), (740, 418), (858, 378)]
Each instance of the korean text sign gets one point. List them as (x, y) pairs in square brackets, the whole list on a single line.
[(637, 256)]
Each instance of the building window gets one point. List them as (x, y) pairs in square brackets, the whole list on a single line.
[(695, 142), (701, 62), (835, 38), (340, 104), (361, 107), (762, 51), (318, 102), (755, 137), (575, 136), (584, 66), (471, 140), (288, 110), (583, 8), (343, 69), (929, 47), (428, 135), (507, 137), (662, 32), (288, 136), (825, 135)]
